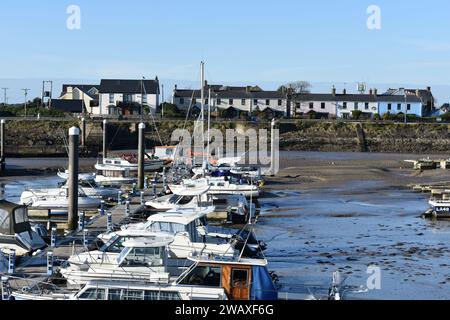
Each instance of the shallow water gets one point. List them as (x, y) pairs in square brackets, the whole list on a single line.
[(311, 234)]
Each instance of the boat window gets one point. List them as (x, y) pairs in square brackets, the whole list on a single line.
[(114, 294), (108, 161), (185, 200), (4, 222), (132, 294), (204, 276), (20, 215), (161, 295), (93, 294), (115, 245), (124, 294), (167, 227), (145, 257), (116, 162), (174, 198), (239, 278)]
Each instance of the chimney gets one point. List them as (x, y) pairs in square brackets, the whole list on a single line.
[(333, 91), (69, 89), (344, 92), (176, 87), (429, 89), (418, 93), (370, 91), (375, 92)]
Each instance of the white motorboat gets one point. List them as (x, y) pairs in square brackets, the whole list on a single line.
[(166, 153), (182, 198), (141, 260), (81, 177), (15, 230), (89, 186), (53, 199), (120, 291), (236, 208), (440, 208), (242, 279), (218, 186), (188, 236), (130, 162)]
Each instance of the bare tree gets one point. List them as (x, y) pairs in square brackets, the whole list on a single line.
[(297, 86)]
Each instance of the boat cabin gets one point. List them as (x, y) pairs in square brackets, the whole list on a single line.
[(15, 229), (244, 280), (189, 221), (143, 252)]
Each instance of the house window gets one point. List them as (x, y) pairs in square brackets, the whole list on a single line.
[(408, 107), (243, 102), (267, 102), (219, 101), (194, 101), (280, 103), (144, 98), (322, 105), (206, 101), (399, 107), (311, 105), (255, 101), (356, 106), (366, 106), (230, 101), (127, 98), (389, 106), (181, 100), (111, 98), (344, 105)]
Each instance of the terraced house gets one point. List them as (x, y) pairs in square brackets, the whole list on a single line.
[(234, 100), (394, 101)]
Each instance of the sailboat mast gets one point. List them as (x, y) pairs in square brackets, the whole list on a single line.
[(202, 93), (209, 125)]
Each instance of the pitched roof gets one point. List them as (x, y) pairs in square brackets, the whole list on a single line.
[(72, 106), (129, 86), (355, 97), (231, 94), (86, 88)]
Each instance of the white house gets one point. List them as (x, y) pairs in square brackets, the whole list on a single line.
[(125, 97), (241, 99), (84, 92)]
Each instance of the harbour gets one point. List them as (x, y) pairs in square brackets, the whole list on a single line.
[(370, 217)]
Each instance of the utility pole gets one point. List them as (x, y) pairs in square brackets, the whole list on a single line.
[(25, 91), (4, 96)]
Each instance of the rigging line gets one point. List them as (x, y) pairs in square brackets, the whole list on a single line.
[(189, 110), (151, 114), (114, 138), (64, 138)]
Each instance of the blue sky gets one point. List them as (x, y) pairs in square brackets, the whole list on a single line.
[(241, 41)]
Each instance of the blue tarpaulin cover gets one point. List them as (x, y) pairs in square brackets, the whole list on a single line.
[(262, 285)]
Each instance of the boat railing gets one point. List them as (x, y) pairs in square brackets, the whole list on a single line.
[(35, 287)]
